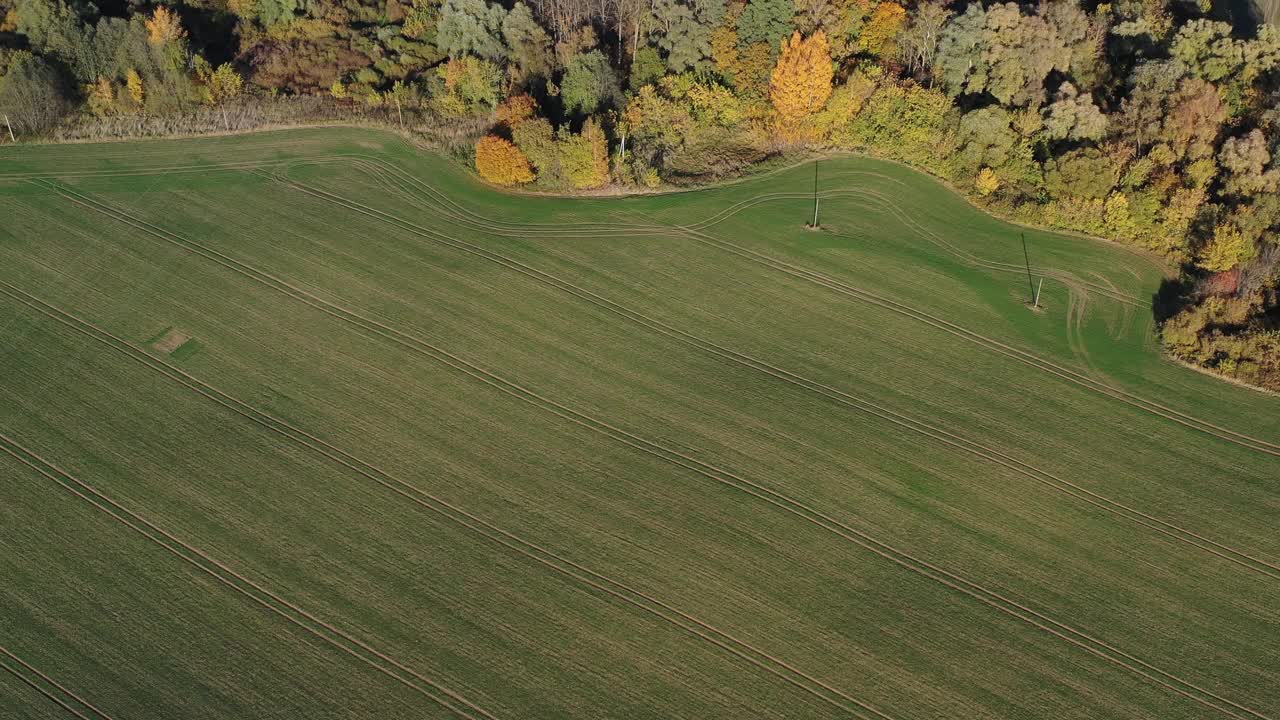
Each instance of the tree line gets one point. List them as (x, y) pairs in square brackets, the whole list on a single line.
[(1153, 122)]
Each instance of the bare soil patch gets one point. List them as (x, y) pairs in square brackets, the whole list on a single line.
[(171, 341)]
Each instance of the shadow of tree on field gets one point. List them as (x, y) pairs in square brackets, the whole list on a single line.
[(1172, 296)]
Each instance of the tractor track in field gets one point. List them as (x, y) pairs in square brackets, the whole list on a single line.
[(1108, 290), (155, 146), (1023, 356), (160, 170), (879, 200), (688, 338), (817, 518), (452, 512), (51, 689), (988, 343), (200, 560), (874, 199), (514, 230), (940, 434), (449, 208)]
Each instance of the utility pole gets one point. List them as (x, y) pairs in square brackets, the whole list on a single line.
[(12, 139), (815, 195), (1031, 286), (1039, 287)]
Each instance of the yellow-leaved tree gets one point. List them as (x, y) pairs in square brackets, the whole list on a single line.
[(585, 156), (877, 36), (801, 84), (1228, 249), (243, 8), (225, 83), (163, 27), (133, 81), (217, 86), (501, 163), (101, 97), (987, 182)]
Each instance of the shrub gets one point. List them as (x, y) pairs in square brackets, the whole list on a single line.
[(536, 139), (501, 163)]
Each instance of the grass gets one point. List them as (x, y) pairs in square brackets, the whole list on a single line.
[(439, 451)]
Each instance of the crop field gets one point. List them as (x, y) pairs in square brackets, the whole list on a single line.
[(314, 425)]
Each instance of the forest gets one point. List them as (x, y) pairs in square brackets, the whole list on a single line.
[(1154, 123)]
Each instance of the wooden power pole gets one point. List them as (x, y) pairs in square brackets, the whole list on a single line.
[(1031, 286), (815, 195), (12, 139)]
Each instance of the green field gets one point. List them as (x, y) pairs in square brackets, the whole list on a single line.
[(314, 425)]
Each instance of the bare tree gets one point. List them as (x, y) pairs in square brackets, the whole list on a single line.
[(918, 43), (1261, 271)]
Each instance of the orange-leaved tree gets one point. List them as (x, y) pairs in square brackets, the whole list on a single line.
[(500, 162), (801, 84), (516, 109)]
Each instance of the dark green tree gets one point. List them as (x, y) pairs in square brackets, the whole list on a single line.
[(528, 45), (471, 27), (647, 67), (1087, 173), (62, 31), (684, 30), (589, 84), (766, 21)]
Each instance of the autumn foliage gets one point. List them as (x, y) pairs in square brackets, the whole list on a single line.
[(515, 110), (883, 26), (163, 27), (133, 82), (801, 83), (584, 157), (1150, 122), (501, 163), (987, 182), (1228, 249)]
